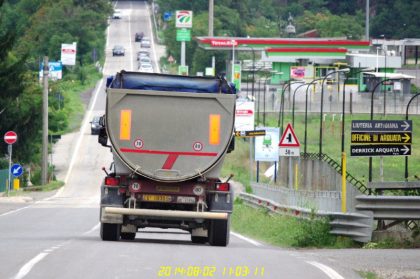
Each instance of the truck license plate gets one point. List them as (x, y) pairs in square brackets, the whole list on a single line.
[(157, 198)]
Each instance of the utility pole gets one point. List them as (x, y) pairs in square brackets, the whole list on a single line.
[(211, 12), (211, 20), (44, 163), (367, 21)]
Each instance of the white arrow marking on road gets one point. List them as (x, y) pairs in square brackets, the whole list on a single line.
[(405, 149), (406, 125)]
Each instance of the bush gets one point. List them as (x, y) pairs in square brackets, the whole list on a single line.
[(314, 233), (36, 175)]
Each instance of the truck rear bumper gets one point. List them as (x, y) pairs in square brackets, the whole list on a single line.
[(172, 214)]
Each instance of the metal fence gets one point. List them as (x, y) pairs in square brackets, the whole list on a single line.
[(268, 99), (4, 176), (314, 200)]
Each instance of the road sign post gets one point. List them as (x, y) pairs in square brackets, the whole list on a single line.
[(183, 19), (289, 146), (381, 138), (10, 138)]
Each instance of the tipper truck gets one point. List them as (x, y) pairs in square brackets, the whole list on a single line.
[(169, 136)]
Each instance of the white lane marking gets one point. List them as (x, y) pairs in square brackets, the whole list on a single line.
[(331, 273), (84, 125), (92, 229), (29, 265), (157, 69), (249, 240), (14, 211)]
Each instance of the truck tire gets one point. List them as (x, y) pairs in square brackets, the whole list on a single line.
[(219, 232), (128, 236), (199, 239), (110, 232)]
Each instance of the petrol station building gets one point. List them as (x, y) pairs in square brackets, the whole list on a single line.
[(309, 58)]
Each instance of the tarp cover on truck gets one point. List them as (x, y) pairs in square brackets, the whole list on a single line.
[(168, 135), (148, 81)]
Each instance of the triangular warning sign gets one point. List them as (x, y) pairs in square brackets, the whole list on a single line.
[(289, 139)]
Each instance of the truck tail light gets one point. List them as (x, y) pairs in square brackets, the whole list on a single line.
[(112, 181), (225, 187)]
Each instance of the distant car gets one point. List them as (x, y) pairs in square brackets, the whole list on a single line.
[(94, 126), (118, 51), (146, 68), (145, 60), (142, 53), (139, 36), (116, 14), (145, 43)]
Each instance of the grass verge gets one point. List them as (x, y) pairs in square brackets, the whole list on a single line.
[(72, 87), (52, 186), (368, 275), (285, 231)]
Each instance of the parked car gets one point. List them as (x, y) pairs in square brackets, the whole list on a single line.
[(146, 67), (116, 14), (139, 36), (118, 51), (145, 43), (94, 126)]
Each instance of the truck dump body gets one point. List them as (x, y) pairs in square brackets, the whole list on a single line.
[(169, 128)]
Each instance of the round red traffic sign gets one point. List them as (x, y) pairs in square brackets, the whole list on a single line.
[(10, 137)]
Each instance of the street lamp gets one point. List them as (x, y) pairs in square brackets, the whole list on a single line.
[(233, 60), (346, 70), (281, 112), (343, 111), (293, 104), (306, 112), (265, 87), (371, 118), (343, 153), (406, 118)]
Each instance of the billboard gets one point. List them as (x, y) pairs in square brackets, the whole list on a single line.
[(266, 147), (183, 19), (55, 70), (244, 115), (68, 54)]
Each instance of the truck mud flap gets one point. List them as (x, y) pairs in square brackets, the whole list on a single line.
[(172, 214)]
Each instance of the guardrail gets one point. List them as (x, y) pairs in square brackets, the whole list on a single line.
[(402, 208), (329, 201), (354, 225)]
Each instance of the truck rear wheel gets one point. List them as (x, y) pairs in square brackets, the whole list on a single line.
[(110, 232), (199, 239), (128, 236), (219, 232)]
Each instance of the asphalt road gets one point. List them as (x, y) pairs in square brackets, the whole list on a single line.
[(58, 236)]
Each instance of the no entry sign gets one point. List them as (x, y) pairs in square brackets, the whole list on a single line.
[(10, 137)]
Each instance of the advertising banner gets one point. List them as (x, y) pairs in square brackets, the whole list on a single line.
[(183, 19), (266, 147), (244, 115), (55, 70), (68, 54)]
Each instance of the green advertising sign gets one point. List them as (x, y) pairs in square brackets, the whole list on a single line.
[(210, 71), (183, 35), (183, 70), (237, 76)]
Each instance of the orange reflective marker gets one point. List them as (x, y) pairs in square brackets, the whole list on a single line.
[(214, 129), (125, 124)]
